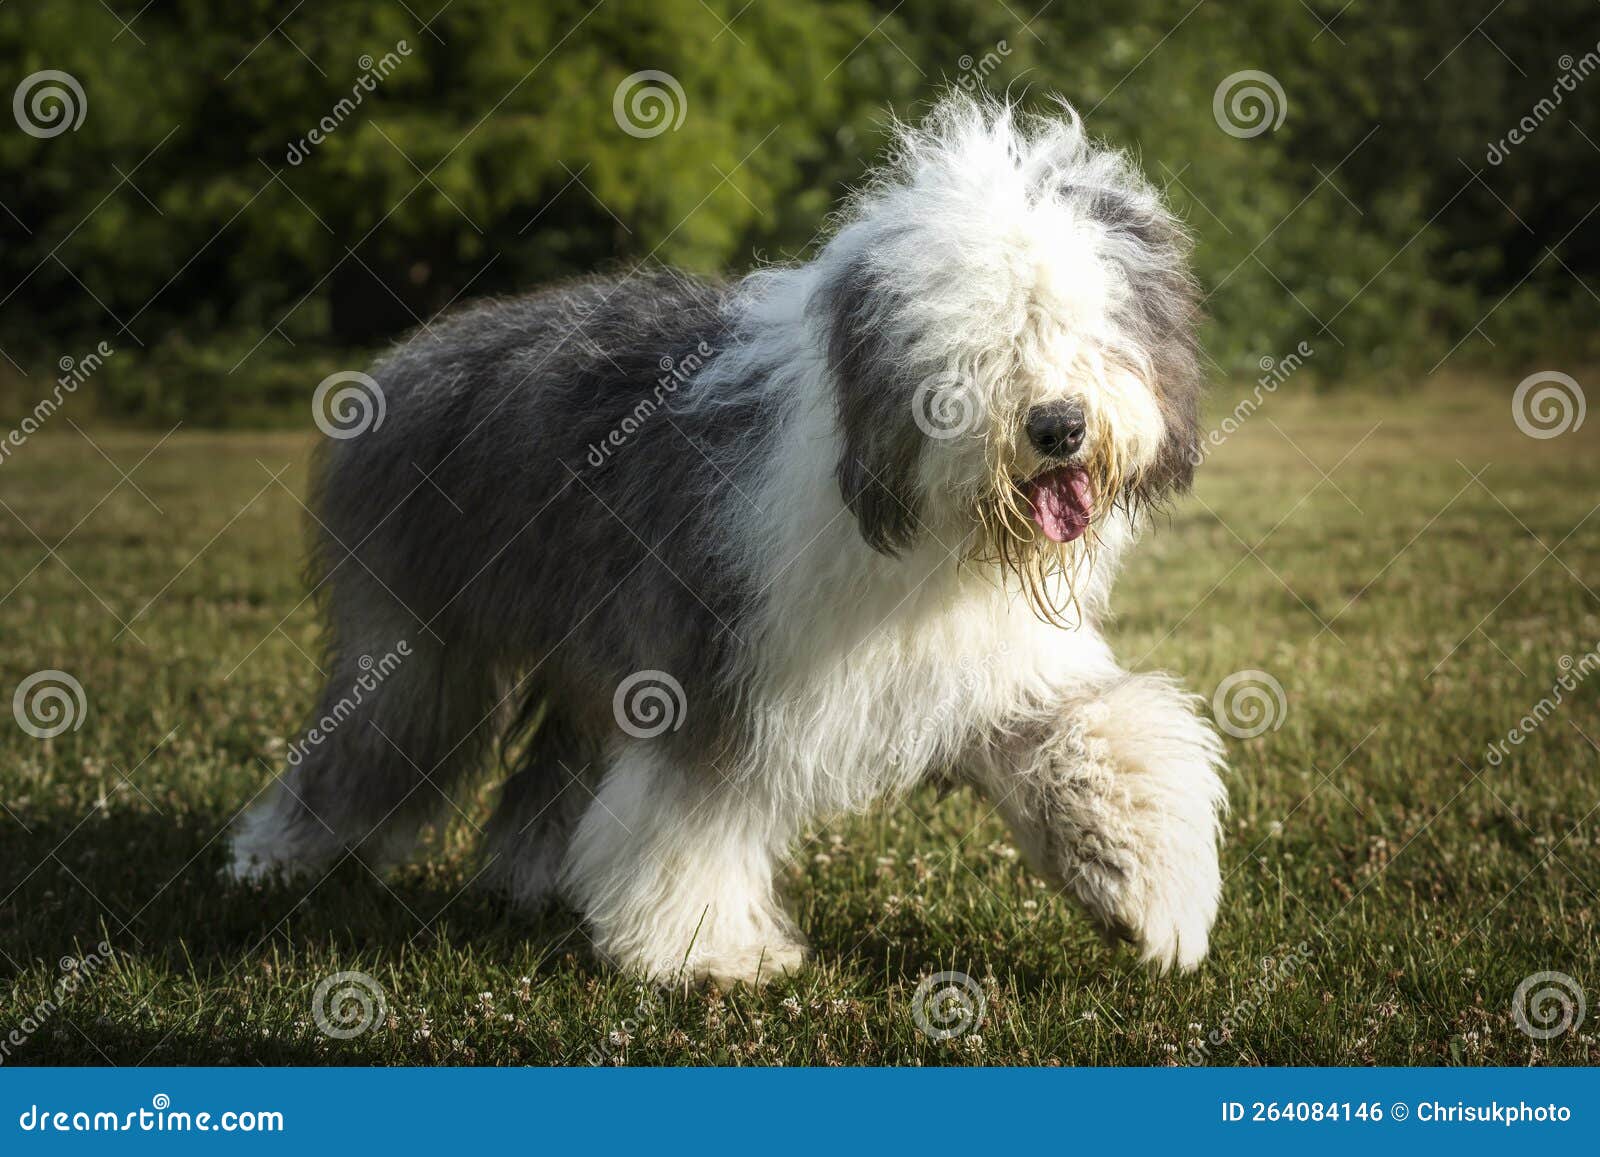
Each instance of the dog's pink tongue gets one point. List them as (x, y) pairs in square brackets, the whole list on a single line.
[(1063, 502)]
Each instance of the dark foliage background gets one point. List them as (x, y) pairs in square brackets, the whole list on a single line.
[(172, 224)]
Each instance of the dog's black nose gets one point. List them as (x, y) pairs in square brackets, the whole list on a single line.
[(1056, 429)]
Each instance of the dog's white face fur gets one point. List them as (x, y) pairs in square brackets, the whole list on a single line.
[(996, 266)]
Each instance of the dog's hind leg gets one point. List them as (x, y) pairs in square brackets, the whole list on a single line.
[(399, 721), (539, 809), (673, 867)]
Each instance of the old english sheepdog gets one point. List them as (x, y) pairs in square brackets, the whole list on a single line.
[(713, 560)]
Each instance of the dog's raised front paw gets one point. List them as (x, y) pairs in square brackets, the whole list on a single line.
[(1160, 903), (1170, 925)]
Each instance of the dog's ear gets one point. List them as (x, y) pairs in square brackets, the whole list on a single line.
[(1173, 470), (880, 444), (1166, 314)]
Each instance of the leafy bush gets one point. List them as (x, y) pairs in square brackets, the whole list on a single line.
[(307, 184)]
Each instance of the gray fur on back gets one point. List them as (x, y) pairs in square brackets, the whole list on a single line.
[(478, 502)]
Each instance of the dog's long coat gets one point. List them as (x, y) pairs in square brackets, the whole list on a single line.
[(742, 555)]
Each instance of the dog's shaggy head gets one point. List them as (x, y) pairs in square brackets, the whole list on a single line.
[(1009, 322)]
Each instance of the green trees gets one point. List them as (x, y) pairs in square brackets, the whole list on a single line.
[(253, 183)]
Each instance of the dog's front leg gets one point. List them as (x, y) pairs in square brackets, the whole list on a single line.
[(1115, 796), (673, 868)]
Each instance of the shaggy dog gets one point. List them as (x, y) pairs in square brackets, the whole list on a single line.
[(725, 558)]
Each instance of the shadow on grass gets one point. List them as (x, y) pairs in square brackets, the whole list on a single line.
[(152, 887)]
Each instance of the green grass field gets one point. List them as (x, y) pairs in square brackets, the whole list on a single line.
[(1409, 568)]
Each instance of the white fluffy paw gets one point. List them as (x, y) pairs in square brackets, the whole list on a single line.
[(1169, 922), (1161, 903), (751, 967), (1152, 880), (247, 866), (1167, 798), (1120, 805), (267, 844)]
